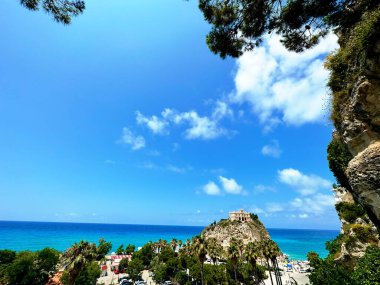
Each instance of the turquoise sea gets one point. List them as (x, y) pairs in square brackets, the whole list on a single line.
[(37, 235)]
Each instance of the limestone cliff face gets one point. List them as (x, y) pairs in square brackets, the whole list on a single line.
[(357, 230), (246, 231), (360, 130), (355, 82)]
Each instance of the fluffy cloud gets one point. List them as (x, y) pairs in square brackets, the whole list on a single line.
[(227, 186), (274, 207), (198, 127), (273, 149), (211, 189), (177, 169), (304, 184), (156, 125), (316, 204), (303, 216), (205, 128), (283, 86), (128, 138), (230, 185), (221, 110), (263, 188)]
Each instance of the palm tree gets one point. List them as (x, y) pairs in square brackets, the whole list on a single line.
[(199, 249), (180, 243), (188, 243), (214, 249), (173, 244), (274, 251), (252, 253), (270, 251), (264, 246), (234, 255), (77, 257)]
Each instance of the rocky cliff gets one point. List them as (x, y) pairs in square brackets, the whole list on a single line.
[(246, 231), (357, 230), (354, 154)]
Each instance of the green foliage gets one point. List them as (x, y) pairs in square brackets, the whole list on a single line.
[(368, 268), (120, 250), (135, 266), (351, 60), (47, 259), (363, 233), (334, 246), (130, 248), (7, 256), (329, 272), (145, 254), (240, 25), (350, 211), (62, 11), (214, 274), (338, 157), (87, 276), (160, 270), (181, 277), (22, 270), (28, 268), (123, 264), (103, 248), (79, 256)]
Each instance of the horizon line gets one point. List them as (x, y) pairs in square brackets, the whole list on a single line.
[(132, 224)]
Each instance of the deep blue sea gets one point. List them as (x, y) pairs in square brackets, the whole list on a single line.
[(37, 235)]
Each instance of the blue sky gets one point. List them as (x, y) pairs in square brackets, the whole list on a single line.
[(125, 116)]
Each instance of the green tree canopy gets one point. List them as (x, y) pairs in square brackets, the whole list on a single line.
[(61, 10), (134, 268), (30, 268), (239, 25)]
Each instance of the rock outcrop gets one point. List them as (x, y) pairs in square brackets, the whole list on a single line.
[(360, 130), (357, 230), (226, 230), (355, 86)]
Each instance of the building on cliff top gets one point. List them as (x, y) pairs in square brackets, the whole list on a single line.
[(240, 215)]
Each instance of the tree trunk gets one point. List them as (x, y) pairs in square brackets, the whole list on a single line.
[(270, 275), (275, 272), (235, 269), (278, 271), (202, 278)]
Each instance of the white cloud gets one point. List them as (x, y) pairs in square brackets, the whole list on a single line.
[(274, 207), (273, 149), (303, 216), (257, 210), (283, 86), (263, 188), (200, 127), (177, 169), (211, 189), (222, 110), (197, 126), (156, 125), (316, 204), (128, 138), (230, 185), (304, 184), (109, 161)]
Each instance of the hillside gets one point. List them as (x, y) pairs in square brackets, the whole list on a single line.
[(226, 229)]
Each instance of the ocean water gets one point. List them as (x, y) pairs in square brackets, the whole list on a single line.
[(37, 235)]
